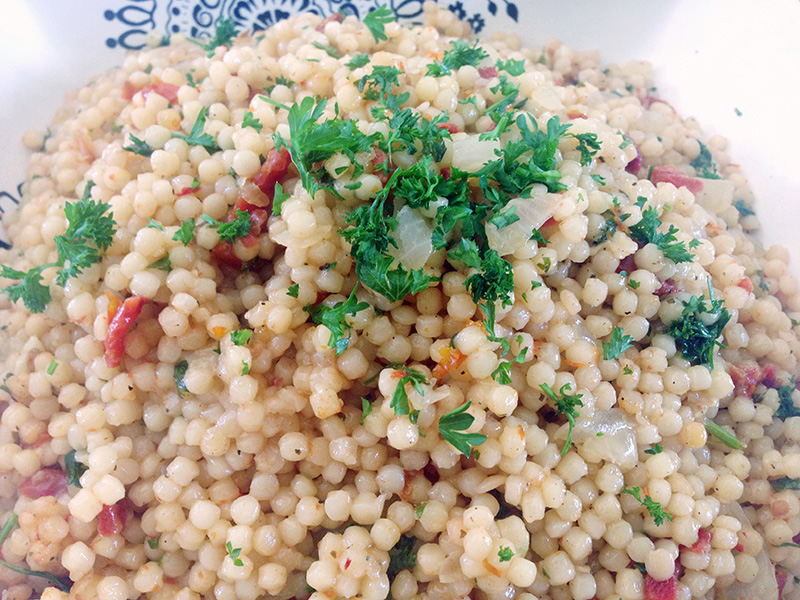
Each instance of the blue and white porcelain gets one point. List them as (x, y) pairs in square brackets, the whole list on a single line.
[(732, 64)]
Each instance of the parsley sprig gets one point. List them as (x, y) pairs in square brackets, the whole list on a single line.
[(233, 230), (646, 231), (654, 508), (333, 317), (197, 137), (399, 402), (458, 55), (234, 553), (89, 233), (704, 163), (377, 20), (453, 426), (223, 36), (617, 343), (697, 331), (565, 405)]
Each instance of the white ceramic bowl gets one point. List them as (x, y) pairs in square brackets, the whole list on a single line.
[(714, 60)]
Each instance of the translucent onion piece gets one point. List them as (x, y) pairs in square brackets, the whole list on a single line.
[(413, 237), (532, 213), (617, 444), (471, 153), (716, 195)]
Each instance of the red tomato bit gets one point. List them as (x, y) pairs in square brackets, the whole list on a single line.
[(660, 590), (45, 482), (112, 518), (676, 177), (272, 171), (118, 328)]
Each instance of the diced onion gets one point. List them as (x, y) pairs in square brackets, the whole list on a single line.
[(609, 435), (716, 195), (471, 153), (413, 237), (532, 213)]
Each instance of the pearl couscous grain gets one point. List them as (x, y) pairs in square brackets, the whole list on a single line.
[(488, 322)]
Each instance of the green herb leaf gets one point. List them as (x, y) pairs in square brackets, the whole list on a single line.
[(178, 373), (223, 36), (617, 343), (153, 544), (419, 509), (654, 508), (722, 435), (657, 449), (250, 121), (502, 374), (512, 66), (153, 224), (696, 333), (399, 401), (743, 209), (785, 483), (240, 337), (30, 290), (786, 406), (245, 368), (234, 553), (539, 238), (565, 405), (139, 146), (196, 137), (329, 50), (73, 469), (402, 556), (627, 370), (452, 427), (505, 554), (51, 368), (359, 60), (233, 230), (377, 20), (460, 54), (333, 317), (185, 233), (505, 218), (162, 264), (62, 583), (646, 231), (704, 163), (278, 199), (293, 290), (366, 409)]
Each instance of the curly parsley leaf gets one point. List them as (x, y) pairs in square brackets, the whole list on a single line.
[(377, 20), (743, 209), (162, 264), (785, 483), (73, 469), (696, 333), (185, 233), (505, 554), (505, 218), (366, 409), (233, 230), (512, 66), (329, 50), (453, 426), (196, 136), (333, 317), (402, 556), (646, 231), (617, 343), (233, 554), (223, 36), (359, 60), (30, 289), (588, 146), (786, 407), (240, 337), (654, 508), (460, 54), (704, 163), (293, 290), (250, 121), (566, 404), (657, 449)]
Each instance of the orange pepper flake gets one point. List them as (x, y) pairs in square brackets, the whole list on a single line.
[(113, 304), (521, 430), (569, 363), (218, 331), (491, 568), (451, 359), (537, 345)]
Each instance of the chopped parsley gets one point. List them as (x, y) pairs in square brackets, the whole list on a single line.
[(90, 232), (153, 224), (704, 164), (399, 402), (233, 554), (505, 554), (633, 284), (565, 405), (402, 556), (696, 333), (505, 218), (196, 136), (366, 409), (617, 343), (786, 407), (376, 21), (139, 146), (512, 66), (245, 368), (722, 434), (152, 544), (453, 426), (185, 233), (333, 317), (233, 230), (162, 264), (502, 374), (62, 583), (240, 337), (646, 231), (420, 508), (293, 290), (654, 508), (178, 374), (73, 469), (223, 36), (743, 209), (598, 179), (657, 449), (627, 370), (329, 50), (539, 238), (250, 121), (460, 54), (359, 60), (278, 199), (51, 368), (785, 483)]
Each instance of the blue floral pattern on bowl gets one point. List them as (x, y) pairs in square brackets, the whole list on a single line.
[(198, 18)]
